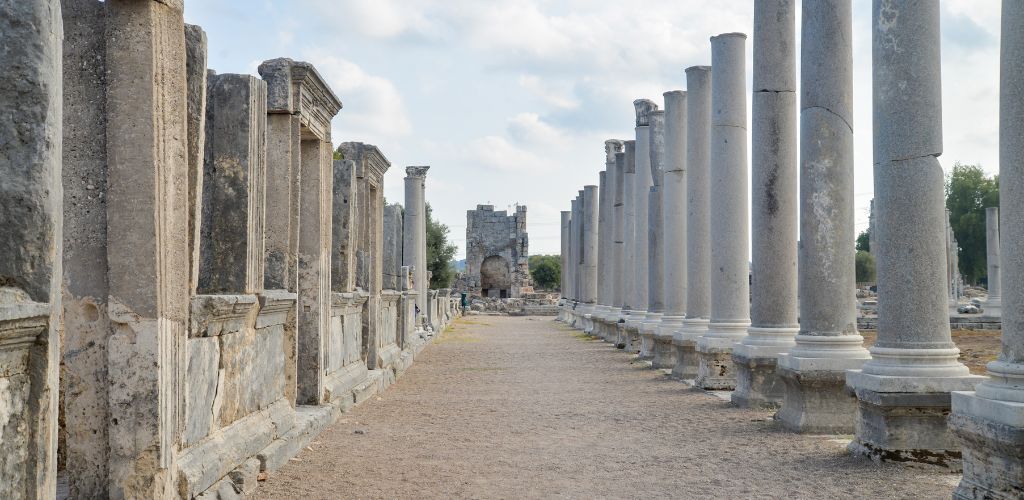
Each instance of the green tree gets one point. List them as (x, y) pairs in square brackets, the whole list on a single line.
[(439, 252), (865, 267), (864, 241), (546, 271), (968, 192)]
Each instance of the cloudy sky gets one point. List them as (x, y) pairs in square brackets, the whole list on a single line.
[(510, 101)]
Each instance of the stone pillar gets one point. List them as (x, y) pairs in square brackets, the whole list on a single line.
[(698, 220), (597, 316), (673, 208), (642, 183), (196, 79), (606, 243), (903, 391), (564, 286), (618, 245), (990, 421), (994, 304), (814, 370), (343, 262), (730, 217), (655, 229), (30, 246), (414, 248), (392, 247), (773, 310), (231, 242), (574, 252), (588, 255), (629, 306)]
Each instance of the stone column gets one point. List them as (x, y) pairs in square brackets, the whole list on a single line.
[(773, 310), (415, 238), (814, 370), (698, 220), (601, 308), (903, 391), (564, 284), (574, 221), (994, 304), (231, 242), (673, 209), (642, 183), (196, 79), (730, 216), (618, 247), (990, 421), (30, 246), (655, 229), (606, 232), (343, 223), (588, 255), (629, 261)]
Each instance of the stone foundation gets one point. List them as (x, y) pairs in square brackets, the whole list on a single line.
[(757, 385), (715, 370), (905, 427), (816, 402)]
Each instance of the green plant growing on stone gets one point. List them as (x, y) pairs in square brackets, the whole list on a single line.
[(968, 192), (546, 271), (439, 253)]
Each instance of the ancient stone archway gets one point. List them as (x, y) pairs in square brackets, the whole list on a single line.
[(495, 278)]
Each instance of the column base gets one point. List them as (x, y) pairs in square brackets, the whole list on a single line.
[(757, 385), (716, 371), (664, 352), (816, 401), (685, 342), (991, 436), (905, 427)]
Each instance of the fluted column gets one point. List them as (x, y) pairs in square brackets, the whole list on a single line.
[(730, 215), (673, 203), (773, 314), (828, 344), (642, 182), (994, 304), (655, 232), (990, 422), (698, 232), (903, 391)]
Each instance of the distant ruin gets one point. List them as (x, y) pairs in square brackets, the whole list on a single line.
[(497, 253)]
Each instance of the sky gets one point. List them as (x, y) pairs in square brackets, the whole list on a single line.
[(510, 101)]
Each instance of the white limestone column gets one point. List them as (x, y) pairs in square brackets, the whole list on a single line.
[(564, 278), (655, 231), (415, 236), (629, 306), (903, 391), (698, 219), (773, 314), (618, 250), (601, 307), (643, 181), (574, 221), (994, 304), (730, 215), (990, 422), (588, 257), (828, 343), (673, 209)]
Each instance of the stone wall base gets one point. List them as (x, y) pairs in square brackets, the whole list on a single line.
[(905, 427), (816, 401), (716, 371), (757, 386), (993, 453), (664, 352)]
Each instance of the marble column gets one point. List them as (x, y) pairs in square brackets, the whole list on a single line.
[(574, 253), (564, 283), (601, 307), (588, 255), (629, 305), (698, 220), (990, 421), (618, 249), (814, 370), (730, 216), (673, 209), (414, 244), (903, 391), (773, 313), (606, 250), (994, 303), (655, 229), (643, 181)]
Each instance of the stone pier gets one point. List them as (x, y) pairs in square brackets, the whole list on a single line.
[(903, 391), (814, 370), (698, 232), (994, 303), (773, 309), (642, 183), (629, 260), (730, 215), (414, 247), (673, 210), (655, 232), (990, 421)]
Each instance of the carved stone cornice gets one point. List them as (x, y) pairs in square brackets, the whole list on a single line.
[(370, 161), (214, 315), (644, 107), (295, 87), (413, 172), (22, 323)]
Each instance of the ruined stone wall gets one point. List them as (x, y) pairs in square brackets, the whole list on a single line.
[(497, 252)]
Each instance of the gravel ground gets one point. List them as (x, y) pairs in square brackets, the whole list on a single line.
[(521, 407)]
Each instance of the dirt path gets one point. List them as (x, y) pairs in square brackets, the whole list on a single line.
[(524, 408)]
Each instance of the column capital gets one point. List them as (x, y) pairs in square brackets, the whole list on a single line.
[(416, 171), (612, 146), (644, 107)]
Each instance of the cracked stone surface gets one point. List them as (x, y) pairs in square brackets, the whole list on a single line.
[(520, 407)]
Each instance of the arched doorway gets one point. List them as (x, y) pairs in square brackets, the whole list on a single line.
[(495, 278)]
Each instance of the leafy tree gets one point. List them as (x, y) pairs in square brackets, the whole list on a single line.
[(546, 271), (864, 241), (865, 267), (439, 252), (968, 192)]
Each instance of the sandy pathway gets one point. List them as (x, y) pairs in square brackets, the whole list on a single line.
[(523, 408)]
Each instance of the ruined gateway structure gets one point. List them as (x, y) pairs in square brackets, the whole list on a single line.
[(497, 253), (187, 278)]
